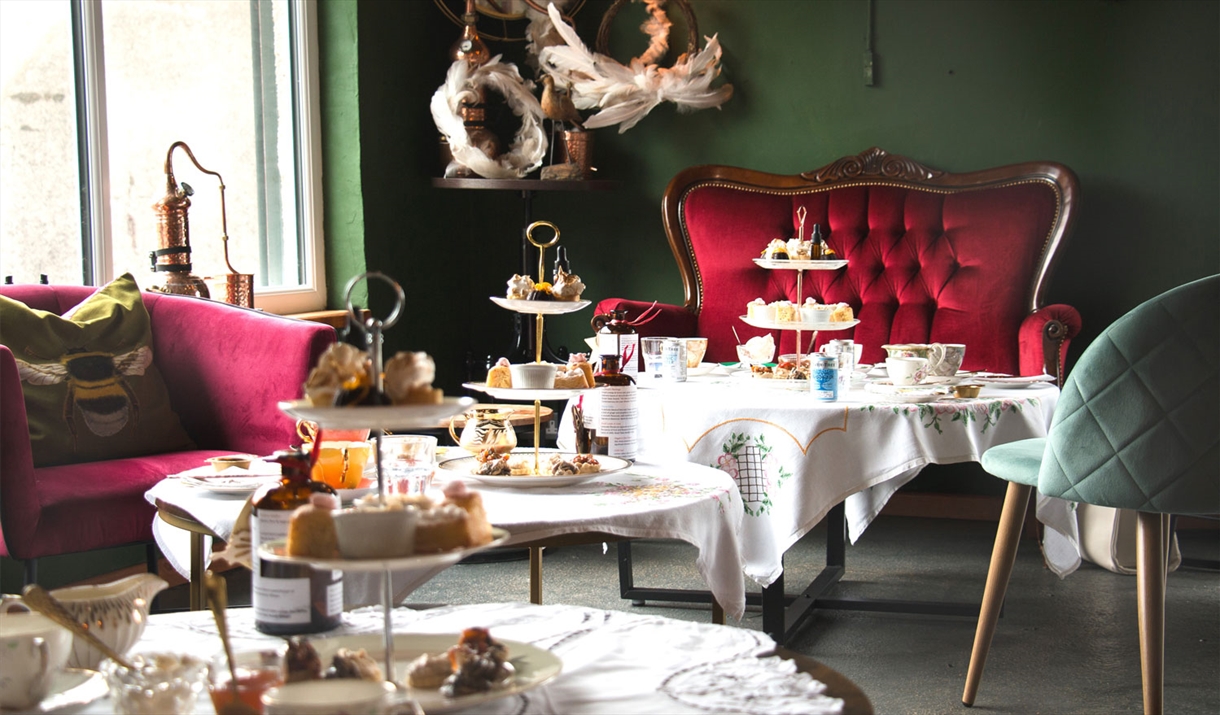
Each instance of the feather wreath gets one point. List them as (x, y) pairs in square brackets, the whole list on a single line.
[(462, 85), (625, 95)]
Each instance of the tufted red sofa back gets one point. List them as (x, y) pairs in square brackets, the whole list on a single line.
[(933, 257)]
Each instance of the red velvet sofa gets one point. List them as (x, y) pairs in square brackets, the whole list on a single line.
[(933, 256), (225, 368)]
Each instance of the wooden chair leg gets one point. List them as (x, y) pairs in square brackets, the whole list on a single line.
[(1150, 567), (536, 575), (1003, 555)]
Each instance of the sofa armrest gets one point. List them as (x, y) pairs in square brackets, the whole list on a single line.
[(1044, 338), (18, 496), (226, 368), (667, 320)]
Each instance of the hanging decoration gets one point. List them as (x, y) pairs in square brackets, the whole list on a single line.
[(464, 85), (626, 94)]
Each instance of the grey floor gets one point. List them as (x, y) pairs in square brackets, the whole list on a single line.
[(1062, 646)]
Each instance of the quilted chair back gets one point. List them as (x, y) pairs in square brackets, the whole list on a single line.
[(1138, 423), (933, 256)]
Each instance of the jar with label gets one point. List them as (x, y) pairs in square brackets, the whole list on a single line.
[(616, 335), (824, 377), (618, 414), (290, 599)]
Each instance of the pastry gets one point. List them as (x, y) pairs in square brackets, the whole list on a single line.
[(758, 309), (429, 671), (341, 365), (311, 528), (786, 312), (408, 379), (570, 378), (520, 287), (356, 664), (841, 313), (567, 285), (776, 250), (799, 250), (301, 661), (442, 528), (587, 464), (499, 375), (477, 526), (542, 291), (581, 360)]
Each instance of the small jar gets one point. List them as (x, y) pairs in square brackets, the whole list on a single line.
[(160, 684)]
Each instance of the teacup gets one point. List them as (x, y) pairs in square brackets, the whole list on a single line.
[(695, 349), (906, 371), (945, 359), (907, 350), (33, 648)]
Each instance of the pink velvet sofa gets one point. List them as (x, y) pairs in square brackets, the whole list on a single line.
[(224, 367), (933, 256)]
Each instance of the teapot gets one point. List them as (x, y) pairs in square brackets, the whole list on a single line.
[(486, 428)]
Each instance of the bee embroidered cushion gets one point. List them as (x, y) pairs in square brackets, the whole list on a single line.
[(91, 389)]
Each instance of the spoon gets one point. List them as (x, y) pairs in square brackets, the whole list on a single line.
[(39, 599), (218, 599)]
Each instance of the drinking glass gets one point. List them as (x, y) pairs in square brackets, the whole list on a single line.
[(653, 349), (408, 462)]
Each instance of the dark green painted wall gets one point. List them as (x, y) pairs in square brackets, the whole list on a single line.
[(1123, 91)]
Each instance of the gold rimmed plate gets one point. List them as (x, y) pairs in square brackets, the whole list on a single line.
[(540, 307), (275, 551), (385, 417)]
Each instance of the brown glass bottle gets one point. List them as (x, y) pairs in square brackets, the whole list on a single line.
[(617, 430), (616, 335), (290, 599)]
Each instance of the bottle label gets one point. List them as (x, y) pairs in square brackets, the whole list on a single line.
[(283, 600), (334, 595), (626, 345), (824, 377), (618, 420)]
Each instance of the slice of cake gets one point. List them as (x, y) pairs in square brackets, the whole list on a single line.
[(786, 312), (499, 375)]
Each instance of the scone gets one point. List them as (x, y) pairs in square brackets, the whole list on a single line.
[(478, 528), (311, 529), (441, 528), (499, 375)]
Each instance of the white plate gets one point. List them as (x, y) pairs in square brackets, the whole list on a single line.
[(348, 496), (274, 551), (769, 325), (889, 392), (731, 367), (783, 383), (465, 466), (533, 665), (229, 485), (991, 379), (704, 368), (386, 417), (793, 265), (509, 393), (540, 307), (71, 689)]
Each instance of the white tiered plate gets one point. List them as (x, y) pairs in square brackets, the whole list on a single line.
[(770, 325), (274, 551), (997, 380), (533, 665), (465, 466), (540, 307), (889, 392), (791, 265), (385, 417), (509, 393)]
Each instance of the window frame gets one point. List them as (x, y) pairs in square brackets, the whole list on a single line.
[(93, 153)]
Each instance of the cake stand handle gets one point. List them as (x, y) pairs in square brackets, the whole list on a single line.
[(387, 607)]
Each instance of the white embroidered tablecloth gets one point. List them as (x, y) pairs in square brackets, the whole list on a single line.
[(793, 458), (613, 662), (681, 500)]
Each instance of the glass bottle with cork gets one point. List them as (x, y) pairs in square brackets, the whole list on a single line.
[(290, 599)]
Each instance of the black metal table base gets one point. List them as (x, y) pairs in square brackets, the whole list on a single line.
[(784, 614)]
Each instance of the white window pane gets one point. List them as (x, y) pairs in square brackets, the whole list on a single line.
[(40, 218), (184, 70)]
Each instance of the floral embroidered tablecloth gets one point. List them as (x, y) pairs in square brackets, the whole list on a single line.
[(793, 458)]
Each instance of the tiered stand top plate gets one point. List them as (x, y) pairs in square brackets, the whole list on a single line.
[(540, 307), (384, 417), (274, 551), (793, 265), (772, 325)]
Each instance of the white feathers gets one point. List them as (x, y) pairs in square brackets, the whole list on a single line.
[(462, 85), (625, 95)]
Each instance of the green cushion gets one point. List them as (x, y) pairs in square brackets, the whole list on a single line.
[(1016, 461), (1138, 423), (91, 390)]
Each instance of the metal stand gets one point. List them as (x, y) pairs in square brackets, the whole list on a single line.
[(784, 614)]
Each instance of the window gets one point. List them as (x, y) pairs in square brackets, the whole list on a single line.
[(84, 136)]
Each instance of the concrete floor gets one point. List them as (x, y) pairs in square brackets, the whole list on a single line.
[(1062, 646)]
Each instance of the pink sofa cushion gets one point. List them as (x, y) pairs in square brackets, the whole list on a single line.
[(925, 266)]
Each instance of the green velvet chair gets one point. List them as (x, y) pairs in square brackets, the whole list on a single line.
[(1136, 427)]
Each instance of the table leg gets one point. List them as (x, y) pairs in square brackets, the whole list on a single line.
[(536, 575), (717, 612), (197, 598)]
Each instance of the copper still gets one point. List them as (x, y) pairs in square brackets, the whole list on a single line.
[(174, 238)]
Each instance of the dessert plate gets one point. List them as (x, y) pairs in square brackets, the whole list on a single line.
[(540, 307), (509, 393), (71, 689), (705, 368), (533, 665), (993, 379), (889, 392), (274, 551), (385, 417), (465, 466), (221, 484), (771, 325), (791, 265)]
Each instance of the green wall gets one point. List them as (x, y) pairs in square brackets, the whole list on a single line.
[(1123, 91)]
